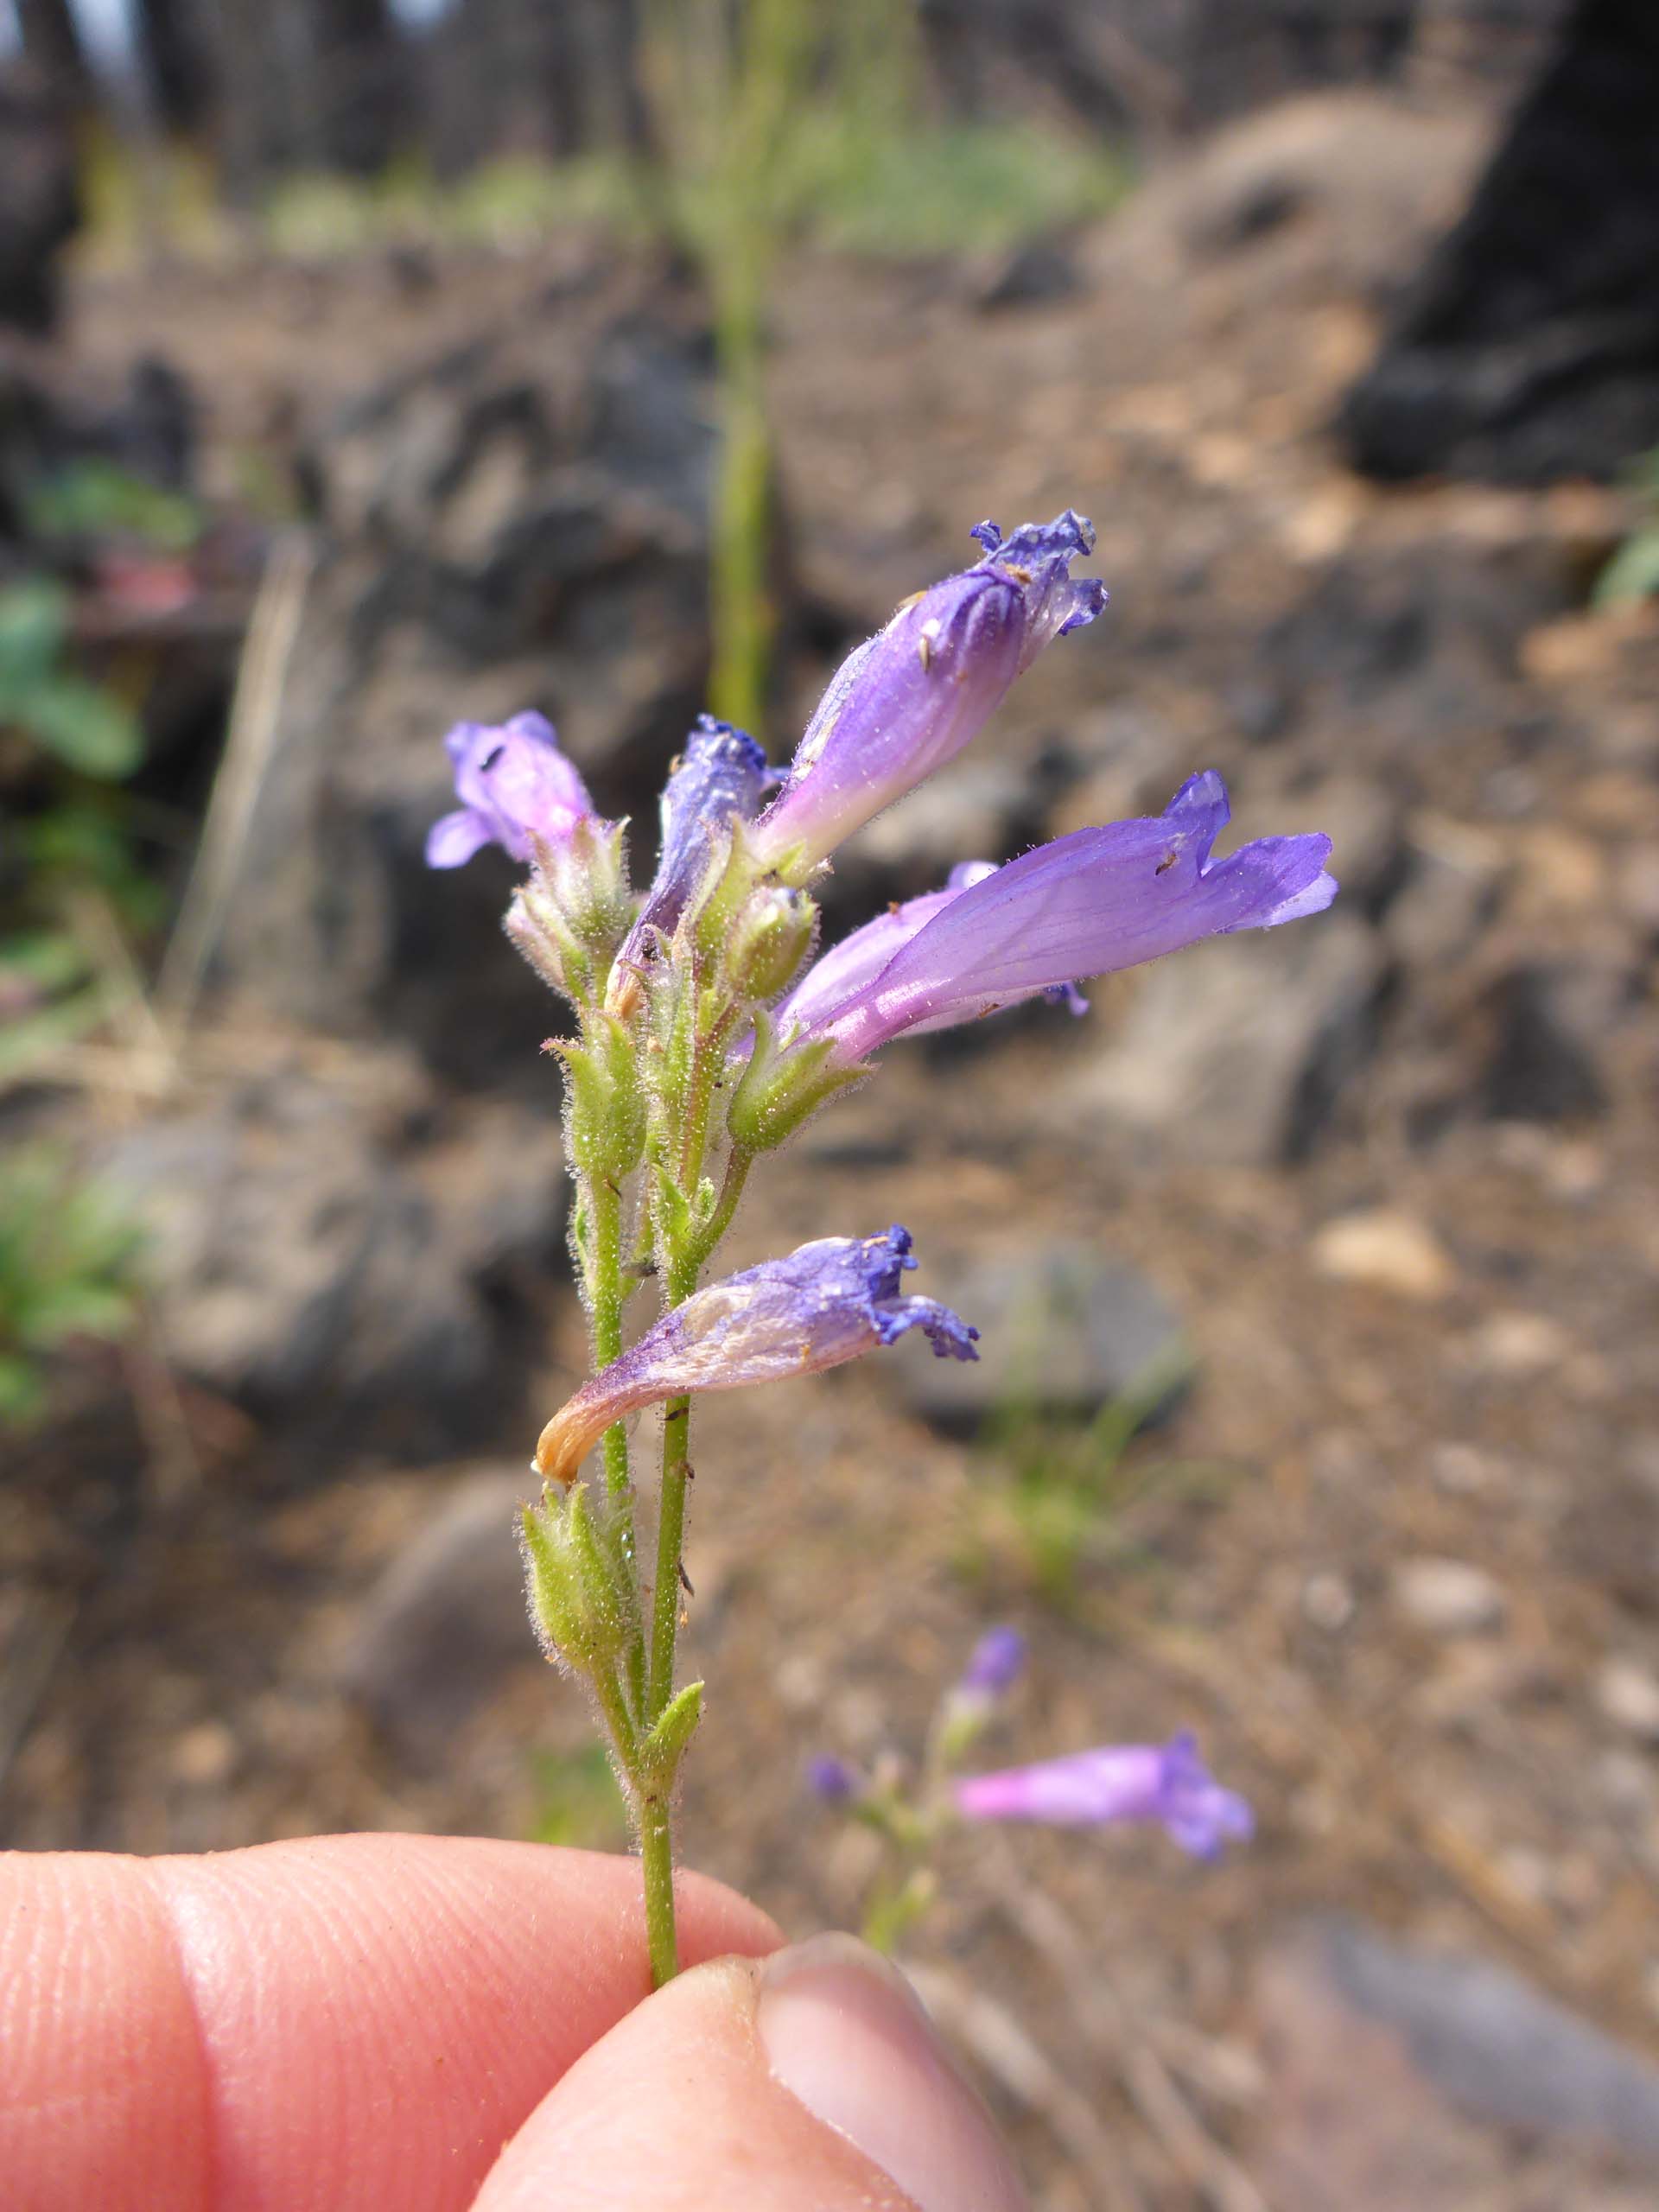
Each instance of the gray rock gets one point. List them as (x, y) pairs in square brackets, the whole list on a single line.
[(1236, 1049), (446, 1622), (310, 1254), (521, 524), (1394, 2074), (1551, 1021), (1061, 1329), (1028, 275)]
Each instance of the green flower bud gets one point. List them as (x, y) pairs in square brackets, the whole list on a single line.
[(771, 934), (606, 1117), (781, 1087), (579, 1602)]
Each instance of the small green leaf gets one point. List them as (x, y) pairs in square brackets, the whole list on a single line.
[(34, 622), (661, 1752), (88, 728), (1633, 572)]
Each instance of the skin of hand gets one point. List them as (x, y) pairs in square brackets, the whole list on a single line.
[(422, 2024)]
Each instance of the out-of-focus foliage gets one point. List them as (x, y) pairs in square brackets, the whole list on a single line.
[(67, 854), (577, 1801), (94, 498), (83, 725), (1053, 1492), (1633, 572), (68, 1269)]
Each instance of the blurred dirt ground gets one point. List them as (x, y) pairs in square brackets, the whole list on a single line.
[(1467, 1378)]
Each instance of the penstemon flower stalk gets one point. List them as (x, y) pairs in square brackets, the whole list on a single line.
[(706, 1034)]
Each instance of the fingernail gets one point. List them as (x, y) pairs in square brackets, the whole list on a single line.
[(844, 2031)]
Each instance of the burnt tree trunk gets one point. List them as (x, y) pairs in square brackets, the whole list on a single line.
[(50, 39), (1529, 348), (177, 49)]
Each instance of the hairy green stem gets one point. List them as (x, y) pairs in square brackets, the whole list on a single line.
[(657, 1859), (731, 1190), (608, 1290)]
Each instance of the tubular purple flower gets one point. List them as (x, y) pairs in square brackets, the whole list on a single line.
[(1168, 1782), (995, 1664), (820, 1306), (516, 787), (914, 696), (1086, 904), (850, 968)]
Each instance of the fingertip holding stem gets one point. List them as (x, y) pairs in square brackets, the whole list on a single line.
[(845, 2033)]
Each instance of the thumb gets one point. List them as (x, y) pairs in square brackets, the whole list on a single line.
[(811, 2078)]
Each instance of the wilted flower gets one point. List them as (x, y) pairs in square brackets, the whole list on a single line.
[(516, 788), (821, 1305), (1086, 904), (1168, 1782), (914, 696)]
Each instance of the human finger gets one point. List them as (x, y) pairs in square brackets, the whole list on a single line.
[(813, 2078), (345, 2022)]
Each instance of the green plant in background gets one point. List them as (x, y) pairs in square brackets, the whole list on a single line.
[(94, 498), (749, 103), (1633, 572), (1052, 1493), (68, 1268), (82, 725), (577, 1801), (71, 879)]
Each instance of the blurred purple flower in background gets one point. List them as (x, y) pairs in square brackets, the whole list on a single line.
[(832, 1779), (909, 698), (1086, 904), (1168, 1782), (515, 786), (995, 1664), (819, 1306)]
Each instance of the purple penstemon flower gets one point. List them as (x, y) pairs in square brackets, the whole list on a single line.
[(516, 788), (1086, 904), (1168, 1782), (913, 696), (819, 1306)]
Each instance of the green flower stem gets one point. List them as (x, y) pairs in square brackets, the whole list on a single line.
[(608, 1290), (656, 1858), (656, 1831), (670, 1530), (731, 1190)]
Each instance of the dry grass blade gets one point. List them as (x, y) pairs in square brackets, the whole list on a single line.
[(272, 634), (1111, 2031)]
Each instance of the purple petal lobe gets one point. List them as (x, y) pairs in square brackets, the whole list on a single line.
[(454, 838)]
